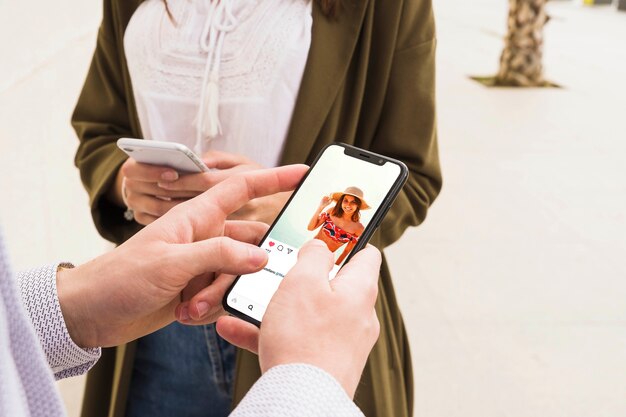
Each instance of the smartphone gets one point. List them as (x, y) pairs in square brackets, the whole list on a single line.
[(341, 201), (170, 154)]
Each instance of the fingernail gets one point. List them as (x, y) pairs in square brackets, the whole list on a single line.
[(169, 176), (258, 256), (203, 308), (184, 314), (165, 185)]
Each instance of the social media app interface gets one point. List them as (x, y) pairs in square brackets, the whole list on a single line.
[(336, 202)]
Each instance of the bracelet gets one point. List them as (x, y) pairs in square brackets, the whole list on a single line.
[(129, 214)]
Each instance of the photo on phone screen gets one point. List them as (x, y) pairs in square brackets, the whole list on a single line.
[(344, 192)]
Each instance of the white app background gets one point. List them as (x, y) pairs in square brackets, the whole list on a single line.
[(263, 284)]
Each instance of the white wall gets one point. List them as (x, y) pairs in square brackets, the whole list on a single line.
[(45, 49)]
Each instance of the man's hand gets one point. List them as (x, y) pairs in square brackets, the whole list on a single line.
[(134, 290), (331, 325)]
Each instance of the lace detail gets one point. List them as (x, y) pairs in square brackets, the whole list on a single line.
[(173, 62)]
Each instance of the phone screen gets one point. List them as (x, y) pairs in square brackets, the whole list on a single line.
[(336, 202)]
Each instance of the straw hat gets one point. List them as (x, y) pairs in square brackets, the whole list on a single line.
[(353, 191)]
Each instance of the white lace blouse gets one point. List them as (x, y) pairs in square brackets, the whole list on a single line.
[(221, 75)]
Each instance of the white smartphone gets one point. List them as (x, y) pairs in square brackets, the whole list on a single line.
[(170, 154), (341, 201)]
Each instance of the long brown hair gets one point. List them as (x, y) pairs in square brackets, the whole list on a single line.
[(337, 211), (329, 8)]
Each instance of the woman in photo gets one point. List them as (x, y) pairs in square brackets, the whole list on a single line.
[(340, 224)]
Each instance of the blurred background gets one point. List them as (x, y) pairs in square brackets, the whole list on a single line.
[(513, 290)]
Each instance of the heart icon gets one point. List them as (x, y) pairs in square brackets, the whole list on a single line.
[(272, 243)]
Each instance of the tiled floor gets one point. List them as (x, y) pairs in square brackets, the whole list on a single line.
[(514, 290)]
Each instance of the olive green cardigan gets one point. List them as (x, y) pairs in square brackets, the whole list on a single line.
[(369, 81)]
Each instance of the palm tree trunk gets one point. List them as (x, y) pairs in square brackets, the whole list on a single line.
[(521, 60)]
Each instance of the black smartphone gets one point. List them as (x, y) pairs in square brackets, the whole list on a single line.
[(341, 201)]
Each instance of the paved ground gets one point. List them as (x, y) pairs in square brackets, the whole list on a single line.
[(517, 303), (514, 290)]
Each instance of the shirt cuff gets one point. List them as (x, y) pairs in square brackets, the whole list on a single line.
[(38, 288), (296, 390)]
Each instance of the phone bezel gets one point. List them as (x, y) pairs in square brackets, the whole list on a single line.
[(380, 213), (126, 144)]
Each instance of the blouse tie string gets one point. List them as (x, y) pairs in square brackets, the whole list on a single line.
[(220, 21)]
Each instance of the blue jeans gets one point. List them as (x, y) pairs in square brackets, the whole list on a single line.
[(182, 371)]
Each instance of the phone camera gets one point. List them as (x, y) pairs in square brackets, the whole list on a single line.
[(380, 161)]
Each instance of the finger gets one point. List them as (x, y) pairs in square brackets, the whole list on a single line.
[(146, 172), (196, 285), (203, 181), (233, 193), (239, 333), (245, 231), (360, 276), (213, 206), (144, 218), (313, 266), (150, 205), (224, 160), (375, 327), (191, 182), (219, 254), (206, 305), (182, 314), (152, 188)]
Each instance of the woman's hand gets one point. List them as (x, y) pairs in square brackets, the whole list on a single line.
[(316, 220), (264, 209), (325, 201), (137, 187), (151, 191), (224, 165)]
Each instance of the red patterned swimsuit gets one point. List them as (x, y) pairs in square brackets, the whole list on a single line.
[(335, 232)]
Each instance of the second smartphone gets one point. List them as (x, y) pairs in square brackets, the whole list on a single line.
[(170, 154), (341, 201)]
